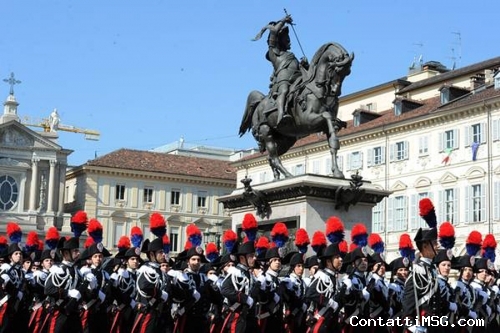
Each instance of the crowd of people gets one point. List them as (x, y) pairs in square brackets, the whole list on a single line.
[(259, 284)]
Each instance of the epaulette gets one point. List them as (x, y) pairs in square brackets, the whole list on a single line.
[(234, 271)]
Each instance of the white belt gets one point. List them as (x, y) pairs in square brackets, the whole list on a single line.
[(4, 300)]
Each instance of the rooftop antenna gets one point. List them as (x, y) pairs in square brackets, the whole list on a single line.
[(459, 43)]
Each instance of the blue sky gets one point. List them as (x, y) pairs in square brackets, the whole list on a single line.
[(145, 73)]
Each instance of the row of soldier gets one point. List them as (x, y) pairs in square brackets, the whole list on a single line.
[(142, 289)]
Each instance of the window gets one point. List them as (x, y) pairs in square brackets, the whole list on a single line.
[(316, 167), (496, 198), (119, 230), (378, 217), (202, 198), (475, 201), (355, 160), (328, 166), (148, 194), (475, 134), (448, 140), (298, 169), (120, 192), (495, 136), (448, 205), (399, 151), (497, 82), (415, 220), (423, 146), (357, 119), (398, 108), (9, 192), (398, 214), (376, 156), (174, 239), (175, 197)]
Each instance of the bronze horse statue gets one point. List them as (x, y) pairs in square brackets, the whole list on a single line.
[(312, 101)]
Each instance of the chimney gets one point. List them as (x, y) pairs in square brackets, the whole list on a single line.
[(477, 81)]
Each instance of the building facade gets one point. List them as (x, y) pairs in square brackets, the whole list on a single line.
[(122, 189), (434, 133), (32, 174)]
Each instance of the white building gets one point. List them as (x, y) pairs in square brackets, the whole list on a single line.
[(434, 133)]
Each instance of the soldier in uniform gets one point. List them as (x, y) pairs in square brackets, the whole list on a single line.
[(150, 288), (312, 265), (240, 288), (11, 281), (294, 293), (64, 287), (322, 291), (443, 261), (37, 285), (464, 294), (269, 308), (483, 310), (399, 273), (379, 302), (421, 295)]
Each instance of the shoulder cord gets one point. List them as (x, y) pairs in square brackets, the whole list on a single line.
[(58, 280), (239, 285), (325, 287), (151, 278)]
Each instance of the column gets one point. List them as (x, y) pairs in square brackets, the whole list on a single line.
[(62, 188), (34, 182), (50, 194)]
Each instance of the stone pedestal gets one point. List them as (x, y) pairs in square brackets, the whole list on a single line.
[(307, 201)]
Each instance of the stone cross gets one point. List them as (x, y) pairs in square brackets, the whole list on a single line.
[(12, 81)]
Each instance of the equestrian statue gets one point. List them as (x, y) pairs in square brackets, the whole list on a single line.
[(303, 98)]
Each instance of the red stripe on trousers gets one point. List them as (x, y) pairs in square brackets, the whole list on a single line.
[(147, 319), (235, 321)]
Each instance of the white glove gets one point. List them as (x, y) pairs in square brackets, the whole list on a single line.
[(73, 293), (5, 278), (164, 296), (453, 307), (472, 314), (114, 279), (249, 301), (332, 304), (92, 280), (124, 273), (366, 294), (348, 283), (213, 278), (262, 279), (196, 295), (20, 296), (38, 274), (102, 296), (56, 270), (132, 304), (85, 270), (176, 275), (276, 298)]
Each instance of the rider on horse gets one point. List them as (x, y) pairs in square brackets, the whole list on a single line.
[(285, 64)]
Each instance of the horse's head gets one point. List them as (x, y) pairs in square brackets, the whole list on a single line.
[(339, 66)]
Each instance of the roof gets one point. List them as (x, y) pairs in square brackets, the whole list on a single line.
[(141, 160), (487, 64)]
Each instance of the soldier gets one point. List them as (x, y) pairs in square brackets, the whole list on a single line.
[(37, 285), (239, 290), (11, 281), (399, 273), (443, 261), (322, 290), (64, 287), (94, 314), (464, 294), (312, 265), (294, 293), (481, 307), (421, 294), (149, 287)]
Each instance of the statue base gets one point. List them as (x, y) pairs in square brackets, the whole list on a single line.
[(305, 201)]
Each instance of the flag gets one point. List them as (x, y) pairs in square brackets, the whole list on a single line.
[(475, 147), (448, 152)]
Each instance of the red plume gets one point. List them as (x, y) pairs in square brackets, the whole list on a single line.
[(302, 238), (229, 239), (352, 247), (194, 234), (343, 247), (376, 243), (262, 243), (187, 245), (88, 242), (31, 241), (334, 229), (359, 235), (318, 241), (14, 232), (95, 230), (447, 235), (158, 225), (489, 241), (124, 243), (249, 226), (80, 217), (211, 248), (279, 234)]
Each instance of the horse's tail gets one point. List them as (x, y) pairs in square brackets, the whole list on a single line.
[(254, 98)]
